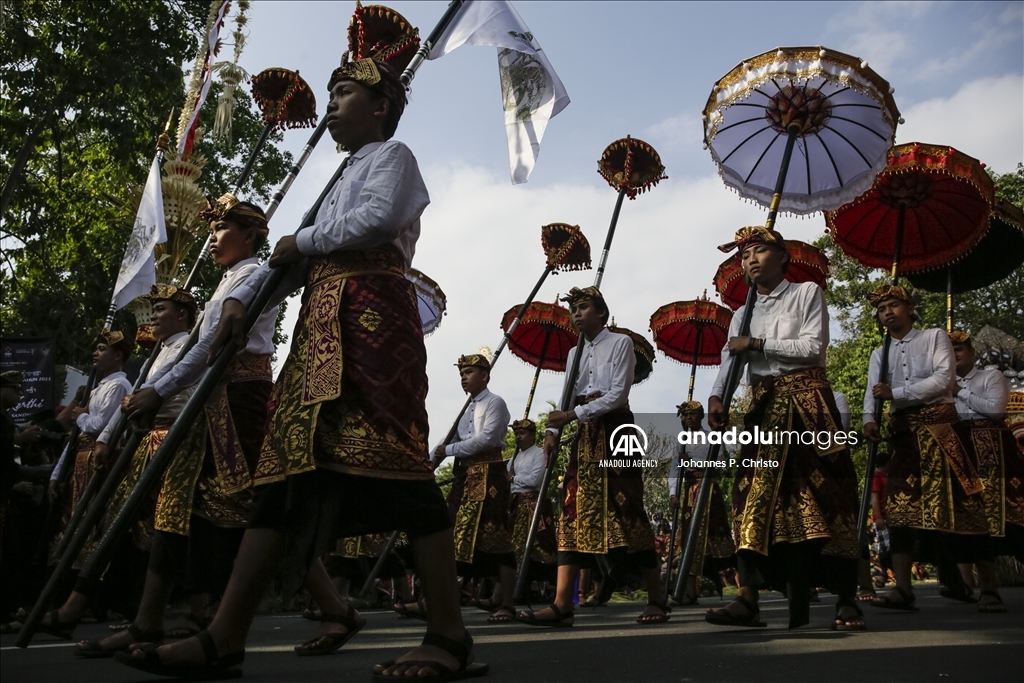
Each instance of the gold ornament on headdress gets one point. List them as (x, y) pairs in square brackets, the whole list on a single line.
[(753, 234), (958, 337), (889, 292), (1015, 409), (576, 295), (527, 424), (473, 360), (117, 340), (362, 71), (689, 407), (172, 293), (228, 203)]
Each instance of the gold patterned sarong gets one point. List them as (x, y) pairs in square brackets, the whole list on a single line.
[(351, 395), (545, 548), (478, 502), (603, 507), (931, 481), (811, 493), (714, 538), (81, 461), (210, 473), (992, 442)]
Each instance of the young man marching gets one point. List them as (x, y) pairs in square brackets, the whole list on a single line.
[(346, 446), (603, 510), (794, 503)]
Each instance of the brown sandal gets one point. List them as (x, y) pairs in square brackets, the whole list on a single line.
[(330, 642)]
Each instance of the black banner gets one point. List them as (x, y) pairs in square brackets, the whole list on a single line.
[(35, 358)]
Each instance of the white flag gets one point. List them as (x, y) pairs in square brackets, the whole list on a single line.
[(138, 268), (531, 90)]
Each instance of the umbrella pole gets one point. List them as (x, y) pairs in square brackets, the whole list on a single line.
[(949, 299), (869, 473), (693, 366), (732, 379), (540, 364), (565, 403)]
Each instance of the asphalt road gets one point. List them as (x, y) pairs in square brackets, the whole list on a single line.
[(944, 641)]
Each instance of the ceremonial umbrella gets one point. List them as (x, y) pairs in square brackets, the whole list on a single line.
[(999, 253), (642, 350), (432, 302), (692, 332), (927, 208), (543, 339), (807, 263)]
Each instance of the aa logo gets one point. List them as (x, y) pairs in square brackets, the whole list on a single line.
[(625, 441)]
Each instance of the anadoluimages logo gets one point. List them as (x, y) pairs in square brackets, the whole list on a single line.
[(628, 444)]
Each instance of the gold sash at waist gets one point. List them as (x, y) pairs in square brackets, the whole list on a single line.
[(382, 260)]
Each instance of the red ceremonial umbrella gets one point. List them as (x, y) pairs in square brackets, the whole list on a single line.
[(692, 332), (806, 264), (642, 349), (927, 208), (542, 338)]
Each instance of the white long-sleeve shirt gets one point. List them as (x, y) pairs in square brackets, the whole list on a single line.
[(529, 466), (104, 402), (173, 378), (607, 367), (481, 427), (922, 371), (983, 393), (378, 200), (793, 321), (170, 408), (685, 452)]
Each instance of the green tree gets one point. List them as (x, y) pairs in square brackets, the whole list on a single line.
[(86, 89)]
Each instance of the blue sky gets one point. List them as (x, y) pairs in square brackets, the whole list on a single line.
[(639, 68)]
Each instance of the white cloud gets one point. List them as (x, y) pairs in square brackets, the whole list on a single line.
[(984, 118)]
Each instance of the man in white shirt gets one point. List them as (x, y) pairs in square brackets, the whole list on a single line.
[(346, 449), (932, 496), (981, 404), (112, 350), (479, 497), (526, 471), (794, 499), (174, 312), (603, 509), (715, 548)]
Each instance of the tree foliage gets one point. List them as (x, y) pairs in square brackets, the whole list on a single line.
[(86, 90)]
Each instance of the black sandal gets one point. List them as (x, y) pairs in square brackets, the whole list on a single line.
[(906, 604), (216, 667), (848, 623), (92, 649), (654, 618), (330, 642), (561, 620), (403, 610), (193, 625), (719, 616), (459, 650)]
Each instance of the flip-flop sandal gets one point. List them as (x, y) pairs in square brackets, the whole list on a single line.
[(866, 595), (311, 614), (119, 626), (420, 613), (193, 626), (91, 649), (561, 620), (502, 615), (215, 668), (848, 623), (459, 650), (996, 607), (722, 617), (651, 619), (330, 642), (964, 595), (906, 604)]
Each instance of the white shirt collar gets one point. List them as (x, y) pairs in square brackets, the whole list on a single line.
[(910, 336), (775, 293), (481, 396), (241, 264), (969, 375), (600, 336), (366, 149)]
